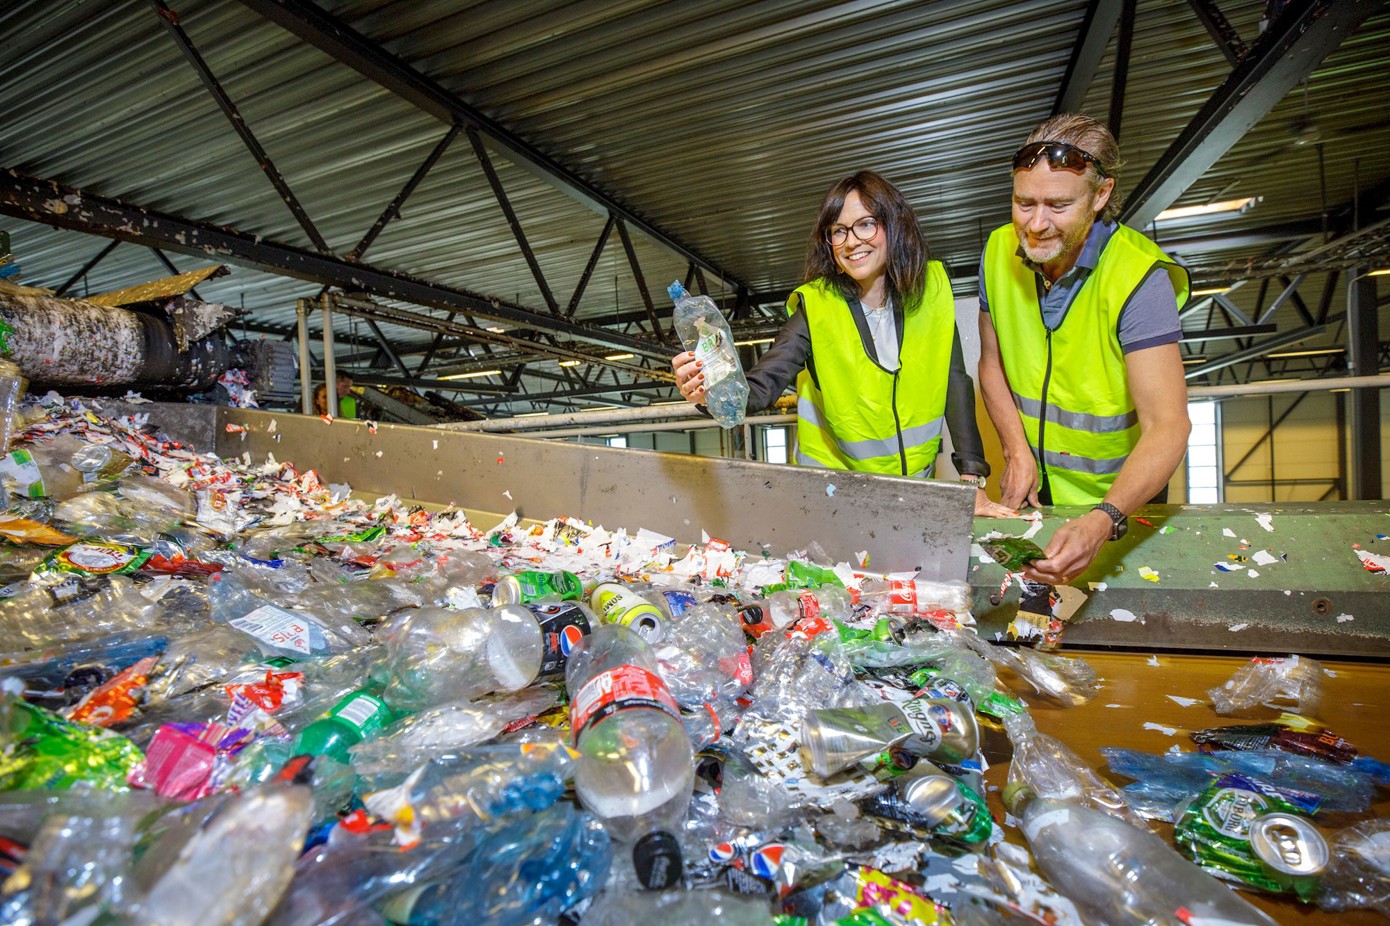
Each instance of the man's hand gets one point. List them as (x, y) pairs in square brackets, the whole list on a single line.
[(689, 378), (986, 508), (1072, 548), (1019, 483)]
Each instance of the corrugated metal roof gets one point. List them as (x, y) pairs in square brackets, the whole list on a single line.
[(721, 123)]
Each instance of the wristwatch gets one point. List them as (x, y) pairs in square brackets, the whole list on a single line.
[(1119, 523), (975, 480)]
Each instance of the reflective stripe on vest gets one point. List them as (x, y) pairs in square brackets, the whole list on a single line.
[(1070, 384), (853, 414)]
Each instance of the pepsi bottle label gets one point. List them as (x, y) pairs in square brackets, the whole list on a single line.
[(563, 625)]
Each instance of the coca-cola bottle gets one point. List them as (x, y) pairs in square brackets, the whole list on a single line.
[(636, 766)]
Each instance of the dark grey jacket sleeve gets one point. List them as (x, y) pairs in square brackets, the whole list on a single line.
[(777, 368), (968, 450)]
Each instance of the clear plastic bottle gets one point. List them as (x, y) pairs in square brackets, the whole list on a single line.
[(706, 334), (1049, 768), (781, 609), (636, 766), (703, 656), (1118, 874), (438, 655), (711, 720), (11, 388), (914, 597), (233, 869), (530, 871)]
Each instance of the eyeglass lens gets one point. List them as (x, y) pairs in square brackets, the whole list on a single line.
[(864, 229)]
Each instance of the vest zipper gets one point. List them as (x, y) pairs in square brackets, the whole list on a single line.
[(1045, 490), (898, 425)]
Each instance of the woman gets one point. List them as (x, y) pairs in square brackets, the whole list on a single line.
[(871, 341)]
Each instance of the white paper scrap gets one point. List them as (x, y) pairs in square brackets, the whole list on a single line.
[(1234, 627), (1253, 573), (1264, 558), (1153, 661), (1121, 614), (1185, 702), (1166, 731), (1266, 521), (1343, 618), (1098, 586), (1227, 532)]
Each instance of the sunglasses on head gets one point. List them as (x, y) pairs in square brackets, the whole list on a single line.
[(1060, 156)]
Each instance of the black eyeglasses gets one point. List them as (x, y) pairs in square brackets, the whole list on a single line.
[(863, 229), (1060, 156)]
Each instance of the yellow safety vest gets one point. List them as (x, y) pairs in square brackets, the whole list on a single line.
[(852, 413), (1070, 383)]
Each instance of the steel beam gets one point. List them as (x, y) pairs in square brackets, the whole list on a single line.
[(1096, 29), (224, 102), (86, 268), (393, 209), (1120, 79), (1217, 334), (1291, 47), (579, 393), (1259, 350), (51, 203), (1363, 355), (589, 268), (340, 41), (1222, 32), (514, 223)]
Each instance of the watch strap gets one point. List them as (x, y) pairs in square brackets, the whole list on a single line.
[(1116, 516)]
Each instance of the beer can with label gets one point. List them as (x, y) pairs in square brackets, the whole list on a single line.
[(527, 587), (619, 605)]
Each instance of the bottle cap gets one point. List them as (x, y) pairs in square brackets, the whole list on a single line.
[(657, 858), (1015, 793)]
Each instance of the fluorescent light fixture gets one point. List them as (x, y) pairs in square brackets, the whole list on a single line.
[(620, 357), (1225, 205), (1306, 353), (1383, 272), (1213, 291), (473, 375), (532, 415), (676, 402), (1343, 389), (751, 343), (497, 330), (1188, 360), (570, 363)]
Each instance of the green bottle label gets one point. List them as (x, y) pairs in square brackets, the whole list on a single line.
[(365, 713)]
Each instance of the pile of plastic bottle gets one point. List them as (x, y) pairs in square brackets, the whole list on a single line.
[(233, 694)]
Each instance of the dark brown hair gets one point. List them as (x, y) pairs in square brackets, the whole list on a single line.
[(907, 249), (1095, 139)]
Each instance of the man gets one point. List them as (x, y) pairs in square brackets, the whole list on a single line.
[(1079, 361)]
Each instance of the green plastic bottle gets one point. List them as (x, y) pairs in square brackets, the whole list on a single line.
[(350, 721)]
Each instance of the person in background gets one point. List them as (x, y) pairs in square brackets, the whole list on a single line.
[(347, 401), (1079, 332), (871, 342)]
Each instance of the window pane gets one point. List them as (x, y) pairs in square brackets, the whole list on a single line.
[(1202, 496), (1201, 413), (1201, 479), (618, 441), (1201, 457)]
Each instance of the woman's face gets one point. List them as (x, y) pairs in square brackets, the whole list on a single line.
[(865, 262)]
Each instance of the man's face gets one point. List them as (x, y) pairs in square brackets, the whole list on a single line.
[(1053, 211)]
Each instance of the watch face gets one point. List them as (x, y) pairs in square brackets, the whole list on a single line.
[(1119, 529)]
